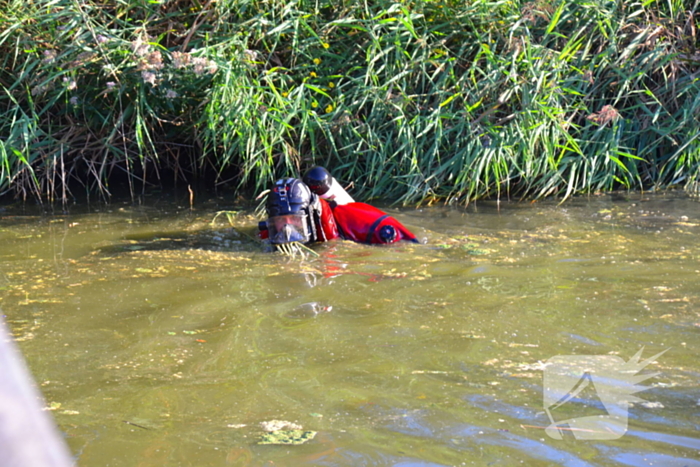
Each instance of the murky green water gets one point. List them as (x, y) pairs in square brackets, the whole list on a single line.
[(161, 341)]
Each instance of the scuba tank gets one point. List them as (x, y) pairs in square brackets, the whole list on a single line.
[(324, 185)]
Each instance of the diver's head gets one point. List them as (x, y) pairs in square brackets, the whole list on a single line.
[(318, 179), (322, 183), (288, 208)]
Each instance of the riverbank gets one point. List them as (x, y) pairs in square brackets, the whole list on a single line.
[(408, 101)]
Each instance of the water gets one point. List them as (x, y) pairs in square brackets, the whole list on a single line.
[(160, 340)]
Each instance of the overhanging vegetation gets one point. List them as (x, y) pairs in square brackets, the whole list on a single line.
[(411, 101)]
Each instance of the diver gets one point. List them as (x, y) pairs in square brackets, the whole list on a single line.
[(318, 209)]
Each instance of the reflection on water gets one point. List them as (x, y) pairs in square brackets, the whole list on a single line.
[(158, 339)]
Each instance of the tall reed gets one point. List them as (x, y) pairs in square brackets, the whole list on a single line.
[(410, 101)]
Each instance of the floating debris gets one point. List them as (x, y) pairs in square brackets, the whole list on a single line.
[(53, 406), (288, 437), (277, 425), (652, 405), (283, 432)]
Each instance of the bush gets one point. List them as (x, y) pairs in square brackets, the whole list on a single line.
[(411, 101)]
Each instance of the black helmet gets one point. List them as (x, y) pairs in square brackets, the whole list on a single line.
[(318, 179), (288, 196)]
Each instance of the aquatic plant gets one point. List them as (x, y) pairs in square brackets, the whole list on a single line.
[(292, 249), (409, 101)]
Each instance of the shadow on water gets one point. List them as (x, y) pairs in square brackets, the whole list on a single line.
[(230, 239), (159, 339)]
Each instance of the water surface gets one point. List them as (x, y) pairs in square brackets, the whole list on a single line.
[(160, 340)]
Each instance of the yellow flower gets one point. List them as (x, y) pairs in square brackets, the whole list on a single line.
[(329, 109), (313, 74), (326, 45), (314, 104), (317, 61), (285, 94), (331, 85)]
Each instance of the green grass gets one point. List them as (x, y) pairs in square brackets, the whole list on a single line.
[(410, 101)]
